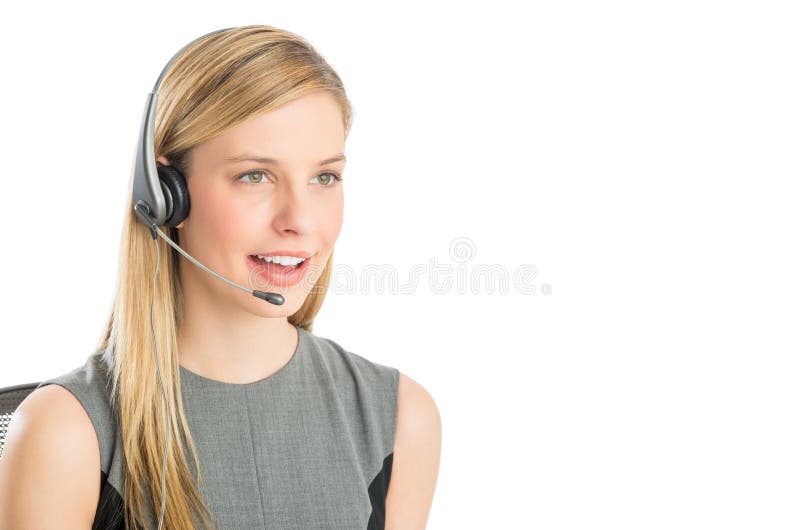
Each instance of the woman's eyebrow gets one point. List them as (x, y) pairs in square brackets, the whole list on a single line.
[(264, 160)]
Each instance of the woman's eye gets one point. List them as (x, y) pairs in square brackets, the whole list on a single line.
[(332, 177), (252, 177)]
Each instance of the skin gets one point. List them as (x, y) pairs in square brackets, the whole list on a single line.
[(415, 464), (295, 205)]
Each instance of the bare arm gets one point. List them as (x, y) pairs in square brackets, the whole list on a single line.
[(50, 468), (415, 464)]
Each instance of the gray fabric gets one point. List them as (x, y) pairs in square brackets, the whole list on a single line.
[(296, 450)]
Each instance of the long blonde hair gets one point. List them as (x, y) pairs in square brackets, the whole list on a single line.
[(215, 84)]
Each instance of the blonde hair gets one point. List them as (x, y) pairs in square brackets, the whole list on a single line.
[(215, 84)]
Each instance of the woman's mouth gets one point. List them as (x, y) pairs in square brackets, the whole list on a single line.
[(276, 271)]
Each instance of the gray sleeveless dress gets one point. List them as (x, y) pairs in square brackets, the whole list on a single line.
[(309, 447)]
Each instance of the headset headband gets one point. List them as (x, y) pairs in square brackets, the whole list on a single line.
[(147, 190)]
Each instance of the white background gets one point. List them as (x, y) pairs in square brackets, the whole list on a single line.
[(642, 156)]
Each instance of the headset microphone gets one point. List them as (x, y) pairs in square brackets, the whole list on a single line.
[(141, 211), (161, 197), (160, 194)]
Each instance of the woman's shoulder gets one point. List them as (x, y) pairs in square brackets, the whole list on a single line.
[(345, 363), (90, 384), (90, 381), (364, 391), (52, 443)]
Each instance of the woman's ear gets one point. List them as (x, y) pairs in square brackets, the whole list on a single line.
[(164, 162)]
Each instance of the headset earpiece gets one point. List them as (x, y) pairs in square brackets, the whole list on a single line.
[(176, 194)]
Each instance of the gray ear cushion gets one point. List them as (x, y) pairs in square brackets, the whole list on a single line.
[(176, 194)]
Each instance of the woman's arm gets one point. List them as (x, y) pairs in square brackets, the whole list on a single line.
[(415, 464), (50, 469)]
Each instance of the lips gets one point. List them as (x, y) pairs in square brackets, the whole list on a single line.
[(275, 274)]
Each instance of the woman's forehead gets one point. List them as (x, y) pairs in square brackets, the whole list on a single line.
[(309, 129)]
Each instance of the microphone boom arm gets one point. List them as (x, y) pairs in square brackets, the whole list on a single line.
[(273, 298)]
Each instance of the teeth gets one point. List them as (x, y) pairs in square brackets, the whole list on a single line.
[(282, 260)]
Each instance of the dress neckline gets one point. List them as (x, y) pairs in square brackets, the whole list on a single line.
[(300, 348)]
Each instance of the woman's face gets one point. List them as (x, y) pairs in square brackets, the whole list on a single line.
[(240, 207)]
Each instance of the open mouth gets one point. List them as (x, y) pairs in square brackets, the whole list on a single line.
[(277, 274)]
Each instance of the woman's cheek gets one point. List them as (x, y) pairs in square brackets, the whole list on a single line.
[(333, 220), (234, 224)]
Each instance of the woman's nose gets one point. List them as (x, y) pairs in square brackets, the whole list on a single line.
[(294, 210)]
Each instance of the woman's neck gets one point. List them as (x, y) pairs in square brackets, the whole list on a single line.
[(231, 345)]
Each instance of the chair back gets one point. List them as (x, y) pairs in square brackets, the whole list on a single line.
[(10, 398)]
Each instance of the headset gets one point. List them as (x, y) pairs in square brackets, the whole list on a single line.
[(161, 197)]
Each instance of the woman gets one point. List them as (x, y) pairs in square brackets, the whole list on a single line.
[(271, 425)]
